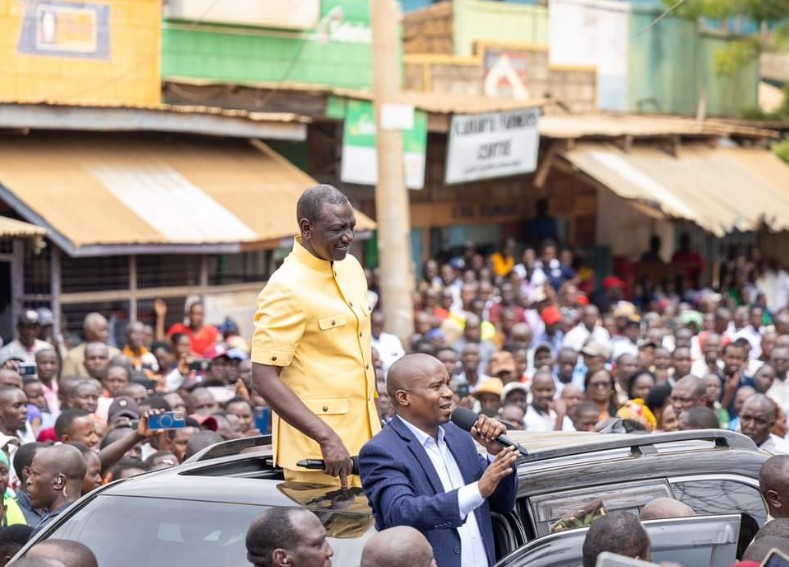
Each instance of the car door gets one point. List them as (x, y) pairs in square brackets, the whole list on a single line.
[(701, 541)]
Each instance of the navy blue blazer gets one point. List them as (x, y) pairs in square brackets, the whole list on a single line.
[(404, 489)]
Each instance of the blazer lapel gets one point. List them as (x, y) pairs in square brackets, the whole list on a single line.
[(467, 463), (419, 454)]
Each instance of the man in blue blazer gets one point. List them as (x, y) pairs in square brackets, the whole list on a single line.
[(423, 471)]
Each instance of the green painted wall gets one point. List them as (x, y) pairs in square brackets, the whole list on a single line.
[(477, 20), (672, 63), (238, 54), (727, 95)]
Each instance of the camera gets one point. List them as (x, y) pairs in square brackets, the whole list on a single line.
[(26, 369), (198, 365), (166, 420)]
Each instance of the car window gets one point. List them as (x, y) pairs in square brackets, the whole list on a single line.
[(547, 509), (128, 531), (709, 541), (721, 496)]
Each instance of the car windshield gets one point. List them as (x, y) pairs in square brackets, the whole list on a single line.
[(125, 531)]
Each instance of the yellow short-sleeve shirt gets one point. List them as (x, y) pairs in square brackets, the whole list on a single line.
[(313, 320)]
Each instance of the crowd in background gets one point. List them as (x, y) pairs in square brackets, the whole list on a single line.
[(527, 337)]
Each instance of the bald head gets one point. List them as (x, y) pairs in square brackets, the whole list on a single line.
[(774, 484), (69, 553), (405, 371), (38, 562), (690, 391), (62, 459), (661, 508), (401, 546)]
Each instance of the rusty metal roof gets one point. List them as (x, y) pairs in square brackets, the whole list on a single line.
[(11, 228), (95, 192), (620, 125), (702, 184)]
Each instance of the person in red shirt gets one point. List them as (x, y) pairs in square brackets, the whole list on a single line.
[(201, 336), (689, 261)]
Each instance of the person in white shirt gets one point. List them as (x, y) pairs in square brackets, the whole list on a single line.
[(710, 362), (774, 284), (389, 346), (589, 327), (757, 419), (779, 391), (541, 414)]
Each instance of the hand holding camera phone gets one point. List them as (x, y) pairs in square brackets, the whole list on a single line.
[(166, 420), (27, 369)]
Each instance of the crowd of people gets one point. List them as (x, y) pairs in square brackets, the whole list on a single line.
[(523, 341), (529, 344), (74, 419)]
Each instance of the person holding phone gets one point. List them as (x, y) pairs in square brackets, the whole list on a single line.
[(311, 350)]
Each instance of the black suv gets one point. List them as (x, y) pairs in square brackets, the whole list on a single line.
[(197, 514)]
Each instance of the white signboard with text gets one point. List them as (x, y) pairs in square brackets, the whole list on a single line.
[(482, 146)]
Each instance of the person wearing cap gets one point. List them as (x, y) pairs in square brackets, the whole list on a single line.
[(311, 349), (96, 329), (488, 394), (542, 358), (26, 344), (552, 318), (502, 366), (588, 328), (594, 356), (515, 393)]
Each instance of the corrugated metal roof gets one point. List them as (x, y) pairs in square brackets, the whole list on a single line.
[(619, 125), (176, 109), (143, 190), (720, 189), (12, 228)]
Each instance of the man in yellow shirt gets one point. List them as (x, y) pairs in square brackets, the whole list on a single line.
[(311, 348)]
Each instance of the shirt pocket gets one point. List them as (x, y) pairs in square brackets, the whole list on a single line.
[(332, 329), (327, 406)]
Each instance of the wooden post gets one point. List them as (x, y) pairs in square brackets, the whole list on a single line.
[(55, 289), (132, 288), (391, 195), (17, 280)]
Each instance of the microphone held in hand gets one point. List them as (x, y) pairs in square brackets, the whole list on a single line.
[(320, 464), (465, 419)]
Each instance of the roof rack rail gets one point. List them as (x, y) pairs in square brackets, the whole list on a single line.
[(645, 444), (228, 448)]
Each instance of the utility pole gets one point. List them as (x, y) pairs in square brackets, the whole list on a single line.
[(391, 195)]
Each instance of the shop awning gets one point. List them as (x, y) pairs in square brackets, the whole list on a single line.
[(11, 228), (720, 189), (121, 194)]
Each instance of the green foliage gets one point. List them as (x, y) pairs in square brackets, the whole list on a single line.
[(737, 55), (781, 149)]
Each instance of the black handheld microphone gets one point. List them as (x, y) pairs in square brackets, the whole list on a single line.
[(465, 419), (320, 464)]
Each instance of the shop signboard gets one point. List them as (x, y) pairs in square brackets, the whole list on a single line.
[(483, 146), (359, 157), (287, 14)]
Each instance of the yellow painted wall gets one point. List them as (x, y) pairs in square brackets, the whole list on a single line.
[(100, 52)]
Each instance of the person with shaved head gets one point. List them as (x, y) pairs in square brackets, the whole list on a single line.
[(311, 349), (689, 392), (96, 329), (424, 472), (54, 480), (661, 508), (774, 485), (70, 553), (756, 421), (400, 546)]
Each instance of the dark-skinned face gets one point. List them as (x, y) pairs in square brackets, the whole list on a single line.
[(329, 236)]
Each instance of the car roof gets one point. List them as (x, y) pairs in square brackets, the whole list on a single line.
[(554, 462)]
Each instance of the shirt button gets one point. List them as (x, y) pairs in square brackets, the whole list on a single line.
[(360, 334), (273, 358), (335, 274), (350, 303), (325, 408), (367, 367), (457, 551), (332, 322)]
